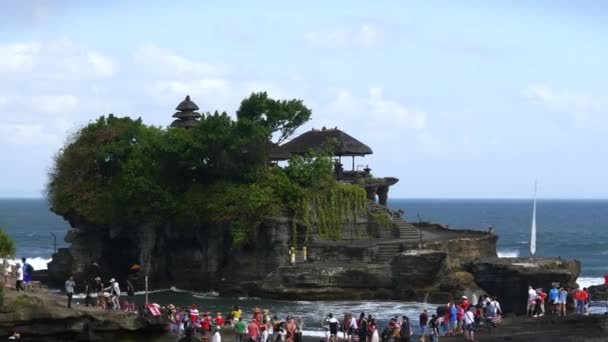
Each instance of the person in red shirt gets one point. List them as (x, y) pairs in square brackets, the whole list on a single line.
[(254, 331), (206, 322), (219, 320), (465, 303), (193, 314), (257, 316), (541, 296)]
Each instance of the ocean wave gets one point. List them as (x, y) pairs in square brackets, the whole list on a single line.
[(589, 281), (508, 253), (37, 263)]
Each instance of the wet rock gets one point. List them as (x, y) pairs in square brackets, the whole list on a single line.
[(509, 278)]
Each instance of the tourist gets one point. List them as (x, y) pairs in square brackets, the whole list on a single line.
[(130, 296), (579, 301), (541, 295), (19, 278), (236, 313), (453, 319), (362, 324), (239, 329), (394, 329), (216, 335), (114, 290), (434, 326), (207, 323), (193, 313), (89, 293), (219, 320), (333, 327), (460, 318), (489, 314), (405, 331), (257, 316), (69, 290), (291, 329), (465, 303), (99, 289), (27, 273), (469, 325), (253, 330), (563, 298), (587, 300), (372, 328), (531, 301), (7, 272), (553, 300), (280, 332), (266, 326), (424, 320)]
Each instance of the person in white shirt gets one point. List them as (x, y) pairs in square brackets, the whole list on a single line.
[(469, 325), (114, 290), (216, 335), (19, 281), (532, 296)]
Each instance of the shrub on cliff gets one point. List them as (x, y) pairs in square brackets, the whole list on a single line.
[(120, 171), (7, 245)]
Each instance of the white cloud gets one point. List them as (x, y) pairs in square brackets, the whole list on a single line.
[(166, 64), (364, 36), (18, 57), (102, 65), (56, 60), (380, 119), (581, 107)]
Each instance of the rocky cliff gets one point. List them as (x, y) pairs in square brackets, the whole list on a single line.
[(384, 258)]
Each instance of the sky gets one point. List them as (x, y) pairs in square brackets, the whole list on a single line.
[(457, 99)]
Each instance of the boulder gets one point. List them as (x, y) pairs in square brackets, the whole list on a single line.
[(417, 268), (509, 278), (598, 292)]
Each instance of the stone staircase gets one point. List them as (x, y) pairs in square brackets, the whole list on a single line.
[(399, 228), (398, 237)]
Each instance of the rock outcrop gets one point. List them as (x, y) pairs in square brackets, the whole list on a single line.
[(509, 278), (41, 316)]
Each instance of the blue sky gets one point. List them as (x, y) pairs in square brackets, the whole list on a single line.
[(458, 99)]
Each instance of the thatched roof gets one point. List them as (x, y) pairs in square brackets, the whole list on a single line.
[(338, 142), (276, 152)]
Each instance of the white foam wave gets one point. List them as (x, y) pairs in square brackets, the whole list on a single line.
[(37, 263), (508, 253), (314, 333), (589, 281)]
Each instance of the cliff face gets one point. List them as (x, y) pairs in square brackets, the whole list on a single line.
[(199, 259)]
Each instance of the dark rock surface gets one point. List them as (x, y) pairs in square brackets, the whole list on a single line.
[(598, 292), (509, 278), (43, 316)]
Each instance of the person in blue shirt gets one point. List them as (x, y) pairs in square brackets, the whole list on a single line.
[(453, 318), (553, 294)]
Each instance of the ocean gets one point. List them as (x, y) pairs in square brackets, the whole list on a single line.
[(566, 228)]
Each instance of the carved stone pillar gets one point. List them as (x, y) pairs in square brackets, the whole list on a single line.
[(383, 194), (371, 192)]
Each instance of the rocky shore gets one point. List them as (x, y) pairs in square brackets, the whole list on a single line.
[(43, 316)]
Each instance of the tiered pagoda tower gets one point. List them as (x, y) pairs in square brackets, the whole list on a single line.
[(186, 117)]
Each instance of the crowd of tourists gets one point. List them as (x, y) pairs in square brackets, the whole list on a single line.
[(104, 296), (455, 318), (261, 327), (23, 274), (556, 300)]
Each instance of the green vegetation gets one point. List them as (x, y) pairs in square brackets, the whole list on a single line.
[(120, 171), (383, 219), (7, 245)]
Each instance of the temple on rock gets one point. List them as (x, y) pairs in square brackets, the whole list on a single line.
[(339, 144)]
